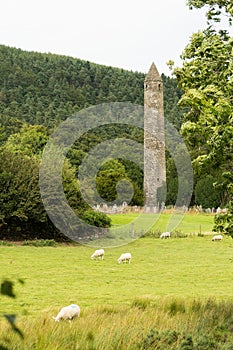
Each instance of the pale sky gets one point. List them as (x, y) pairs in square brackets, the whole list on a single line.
[(128, 34)]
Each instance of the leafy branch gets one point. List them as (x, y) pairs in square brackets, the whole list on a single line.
[(7, 289)]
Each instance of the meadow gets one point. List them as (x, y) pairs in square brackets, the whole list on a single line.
[(179, 223), (188, 223), (175, 294)]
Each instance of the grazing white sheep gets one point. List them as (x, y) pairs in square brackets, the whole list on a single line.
[(68, 313), (99, 253), (124, 258), (165, 235), (217, 238)]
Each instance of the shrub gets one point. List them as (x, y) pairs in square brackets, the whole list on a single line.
[(206, 194), (179, 234), (175, 306), (196, 306), (41, 243), (97, 219), (160, 340), (4, 243), (141, 303), (223, 222), (149, 340), (187, 343), (152, 233)]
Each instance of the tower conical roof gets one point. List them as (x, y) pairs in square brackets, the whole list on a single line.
[(153, 73)]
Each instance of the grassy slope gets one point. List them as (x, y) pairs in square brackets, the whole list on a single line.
[(182, 267), (164, 288)]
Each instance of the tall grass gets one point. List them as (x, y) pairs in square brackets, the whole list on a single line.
[(175, 294), (162, 323)]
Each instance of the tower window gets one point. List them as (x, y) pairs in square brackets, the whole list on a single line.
[(159, 87)]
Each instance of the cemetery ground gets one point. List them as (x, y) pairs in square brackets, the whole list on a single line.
[(176, 293)]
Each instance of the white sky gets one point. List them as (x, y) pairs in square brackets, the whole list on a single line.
[(129, 34)]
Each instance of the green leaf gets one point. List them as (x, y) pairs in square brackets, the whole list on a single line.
[(11, 319), (7, 289)]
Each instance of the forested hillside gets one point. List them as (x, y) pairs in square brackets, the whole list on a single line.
[(37, 92), (45, 88)]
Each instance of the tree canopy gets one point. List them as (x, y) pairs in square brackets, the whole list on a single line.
[(45, 89), (216, 8), (206, 78)]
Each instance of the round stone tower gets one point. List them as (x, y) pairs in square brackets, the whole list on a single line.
[(154, 140)]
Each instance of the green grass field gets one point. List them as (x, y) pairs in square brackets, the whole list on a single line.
[(141, 224), (190, 223), (120, 304)]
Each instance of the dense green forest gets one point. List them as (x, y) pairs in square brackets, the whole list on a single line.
[(37, 92), (45, 89)]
